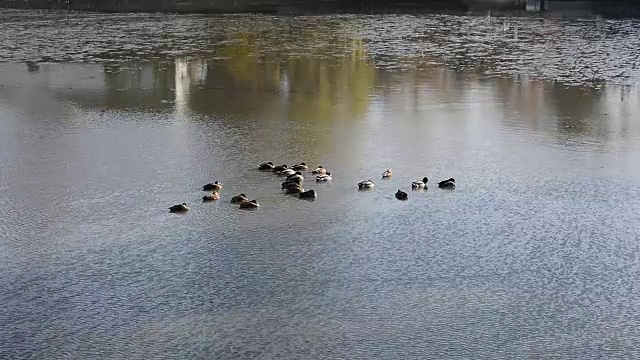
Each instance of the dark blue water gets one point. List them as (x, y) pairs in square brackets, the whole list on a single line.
[(534, 255)]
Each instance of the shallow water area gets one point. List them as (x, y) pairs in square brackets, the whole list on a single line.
[(533, 255)]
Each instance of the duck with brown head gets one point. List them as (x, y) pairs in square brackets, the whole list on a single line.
[(319, 170), (292, 183), (324, 177), (239, 198), (211, 197), (295, 176), (294, 189), (215, 186), (300, 167), (253, 204)]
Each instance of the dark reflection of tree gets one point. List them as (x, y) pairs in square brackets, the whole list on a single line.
[(282, 96), (574, 108), (309, 86), (445, 86), (227, 93), (522, 96), (297, 70), (324, 90), (145, 85), (123, 86), (544, 106)]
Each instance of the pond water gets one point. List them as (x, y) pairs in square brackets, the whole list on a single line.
[(535, 254)]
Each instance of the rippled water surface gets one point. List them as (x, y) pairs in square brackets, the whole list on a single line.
[(569, 51), (534, 255)]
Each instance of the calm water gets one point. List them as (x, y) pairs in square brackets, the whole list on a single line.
[(536, 254)]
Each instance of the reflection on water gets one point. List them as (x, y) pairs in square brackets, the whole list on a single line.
[(317, 89), (534, 255), (572, 52)]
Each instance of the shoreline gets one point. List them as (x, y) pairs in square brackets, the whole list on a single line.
[(617, 9)]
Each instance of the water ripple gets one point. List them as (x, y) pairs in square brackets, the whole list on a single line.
[(573, 52)]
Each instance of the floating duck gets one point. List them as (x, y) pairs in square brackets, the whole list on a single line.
[(295, 176), (300, 167), (387, 174), (292, 183), (319, 170), (367, 184), (450, 183), (239, 198), (216, 186), (311, 194), (266, 166), (253, 204), (286, 172), (295, 189), (179, 208), (211, 197), (324, 177), (416, 185), (401, 195), (280, 168)]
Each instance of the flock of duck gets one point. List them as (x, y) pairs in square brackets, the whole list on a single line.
[(293, 185), (415, 185)]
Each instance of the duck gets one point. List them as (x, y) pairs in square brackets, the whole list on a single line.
[(211, 197), (367, 184), (286, 172), (401, 195), (311, 194), (300, 167), (280, 168), (295, 189), (324, 177), (450, 183), (387, 174), (253, 204), (292, 183), (239, 198), (416, 185), (216, 186), (179, 208), (266, 166), (319, 170), (294, 176)]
